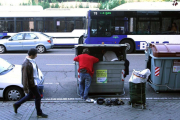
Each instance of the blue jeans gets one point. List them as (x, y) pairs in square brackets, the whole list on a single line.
[(84, 85), (32, 92)]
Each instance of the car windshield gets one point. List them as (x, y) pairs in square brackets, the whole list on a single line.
[(4, 65), (45, 35)]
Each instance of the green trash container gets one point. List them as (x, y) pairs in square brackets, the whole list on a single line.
[(111, 70), (137, 93)]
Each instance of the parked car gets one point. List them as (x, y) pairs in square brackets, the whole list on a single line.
[(23, 41), (11, 87)]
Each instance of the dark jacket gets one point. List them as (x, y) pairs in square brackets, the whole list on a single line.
[(27, 75)]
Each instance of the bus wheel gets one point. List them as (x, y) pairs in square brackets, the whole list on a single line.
[(130, 45), (80, 40)]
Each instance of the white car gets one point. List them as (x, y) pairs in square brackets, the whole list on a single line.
[(11, 87)]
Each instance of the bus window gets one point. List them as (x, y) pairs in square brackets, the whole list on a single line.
[(28, 24), (1, 26), (79, 23), (104, 28), (155, 27), (70, 26), (48, 24), (93, 28), (39, 24), (6, 26), (60, 25), (121, 25), (177, 22)]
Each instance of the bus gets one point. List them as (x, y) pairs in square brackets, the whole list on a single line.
[(66, 26), (135, 25)]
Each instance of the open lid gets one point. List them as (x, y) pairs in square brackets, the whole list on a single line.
[(166, 50), (96, 49)]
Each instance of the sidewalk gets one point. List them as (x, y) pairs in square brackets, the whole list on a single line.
[(80, 110)]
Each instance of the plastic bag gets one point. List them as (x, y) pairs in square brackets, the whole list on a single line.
[(139, 76)]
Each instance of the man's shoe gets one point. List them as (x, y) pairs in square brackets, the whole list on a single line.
[(15, 108), (89, 100), (42, 116)]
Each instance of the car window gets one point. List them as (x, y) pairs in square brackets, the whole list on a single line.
[(3, 65), (30, 36), (45, 35), (18, 37)]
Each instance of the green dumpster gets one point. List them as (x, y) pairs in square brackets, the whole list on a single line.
[(111, 71)]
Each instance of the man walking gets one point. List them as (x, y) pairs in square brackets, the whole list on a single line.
[(86, 72), (29, 81)]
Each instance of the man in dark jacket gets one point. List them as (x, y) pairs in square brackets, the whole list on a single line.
[(29, 81), (86, 72)]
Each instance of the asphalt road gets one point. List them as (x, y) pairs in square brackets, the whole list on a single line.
[(58, 69)]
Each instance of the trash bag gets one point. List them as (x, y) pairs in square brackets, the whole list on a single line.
[(139, 76)]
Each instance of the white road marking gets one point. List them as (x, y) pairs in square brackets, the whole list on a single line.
[(50, 83), (59, 64)]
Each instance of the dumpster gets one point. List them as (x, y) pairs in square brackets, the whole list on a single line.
[(107, 78), (164, 62)]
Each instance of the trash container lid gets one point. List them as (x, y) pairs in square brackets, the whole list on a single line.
[(166, 50)]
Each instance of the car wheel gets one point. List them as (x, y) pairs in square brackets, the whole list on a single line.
[(2, 49), (130, 45), (13, 94), (40, 49)]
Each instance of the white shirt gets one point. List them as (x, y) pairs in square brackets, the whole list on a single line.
[(110, 56), (35, 72)]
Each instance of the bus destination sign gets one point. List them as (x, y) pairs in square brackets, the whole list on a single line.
[(105, 13), (101, 13)]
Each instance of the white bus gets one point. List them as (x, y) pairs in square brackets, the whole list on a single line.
[(66, 26), (135, 24)]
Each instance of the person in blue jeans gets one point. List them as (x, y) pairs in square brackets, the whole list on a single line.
[(86, 71), (85, 82), (30, 77)]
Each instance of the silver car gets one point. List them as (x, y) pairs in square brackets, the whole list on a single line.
[(23, 41)]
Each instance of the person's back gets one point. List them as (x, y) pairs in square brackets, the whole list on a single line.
[(86, 62)]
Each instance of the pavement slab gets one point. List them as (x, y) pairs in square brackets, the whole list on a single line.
[(24, 111), (156, 110)]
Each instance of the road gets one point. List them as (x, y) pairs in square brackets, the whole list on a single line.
[(58, 69)]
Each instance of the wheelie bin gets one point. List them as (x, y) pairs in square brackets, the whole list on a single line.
[(164, 62), (108, 78)]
